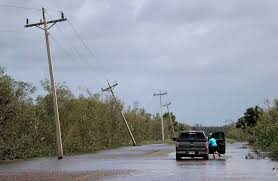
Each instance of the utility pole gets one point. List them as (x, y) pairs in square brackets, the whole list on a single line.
[(110, 88), (45, 27), (167, 106), (160, 94)]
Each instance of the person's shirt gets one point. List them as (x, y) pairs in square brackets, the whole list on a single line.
[(212, 142)]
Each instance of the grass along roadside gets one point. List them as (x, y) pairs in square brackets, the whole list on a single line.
[(156, 142), (230, 141)]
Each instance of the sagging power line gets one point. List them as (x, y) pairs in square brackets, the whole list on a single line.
[(160, 94), (45, 27), (110, 88)]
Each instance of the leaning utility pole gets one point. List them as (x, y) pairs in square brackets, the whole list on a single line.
[(110, 88), (51, 71), (160, 94), (167, 106)]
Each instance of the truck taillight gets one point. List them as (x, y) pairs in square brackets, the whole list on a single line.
[(177, 144), (207, 145)]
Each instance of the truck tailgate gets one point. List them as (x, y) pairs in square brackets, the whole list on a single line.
[(191, 145)]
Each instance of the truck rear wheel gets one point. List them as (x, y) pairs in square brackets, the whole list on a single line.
[(206, 157), (178, 157)]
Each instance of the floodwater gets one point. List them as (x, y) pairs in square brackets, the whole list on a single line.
[(148, 162)]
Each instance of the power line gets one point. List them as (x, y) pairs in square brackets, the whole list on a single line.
[(77, 35), (79, 55), (11, 31), (19, 7), (74, 57), (62, 47), (82, 41), (24, 7)]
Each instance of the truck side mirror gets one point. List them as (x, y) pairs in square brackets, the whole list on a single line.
[(174, 139)]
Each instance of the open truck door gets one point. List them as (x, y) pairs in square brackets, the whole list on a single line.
[(221, 144)]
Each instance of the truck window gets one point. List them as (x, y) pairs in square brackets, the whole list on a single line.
[(192, 135)]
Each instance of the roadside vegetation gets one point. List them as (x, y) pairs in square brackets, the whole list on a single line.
[(89, 122), (259, 127)]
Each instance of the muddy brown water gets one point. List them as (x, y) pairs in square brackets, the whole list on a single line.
[(147, 162)]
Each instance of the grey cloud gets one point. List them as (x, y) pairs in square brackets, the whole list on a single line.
[(194, 11)]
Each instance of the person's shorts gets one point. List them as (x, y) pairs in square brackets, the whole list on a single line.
[(213, 149)]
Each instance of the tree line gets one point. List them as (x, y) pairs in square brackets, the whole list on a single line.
[(259, 127), (89, 121)]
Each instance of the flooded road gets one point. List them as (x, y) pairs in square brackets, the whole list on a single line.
[(148, 162)]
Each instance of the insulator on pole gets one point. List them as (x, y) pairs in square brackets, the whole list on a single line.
[(62, 15)]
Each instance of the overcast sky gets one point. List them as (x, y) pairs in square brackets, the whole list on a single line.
[(214, 58)]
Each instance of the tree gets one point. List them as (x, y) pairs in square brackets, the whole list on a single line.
[(250, 118), (16, 111)]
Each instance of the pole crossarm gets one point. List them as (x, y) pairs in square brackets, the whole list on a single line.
[(160, 94), (48, 22), (167, 104), (44, 22), (109, 88)]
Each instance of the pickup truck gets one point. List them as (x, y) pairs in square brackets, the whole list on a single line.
[(192, 144)]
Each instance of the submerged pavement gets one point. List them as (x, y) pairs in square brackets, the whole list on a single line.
[(147, 162)]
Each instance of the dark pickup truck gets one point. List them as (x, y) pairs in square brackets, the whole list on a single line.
[(192, 144)]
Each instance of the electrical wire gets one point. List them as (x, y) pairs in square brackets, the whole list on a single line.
[(79, 55), (57, 42), (11, 31), (84, 64), (69, 55), (26, 8), (62, 47), (82, 41), (18, 7)]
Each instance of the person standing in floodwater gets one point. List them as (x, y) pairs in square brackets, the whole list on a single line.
[(213, 146)]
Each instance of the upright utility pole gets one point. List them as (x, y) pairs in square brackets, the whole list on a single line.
[(51, 71), (110, 88), (160, 94), (170, 117)]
